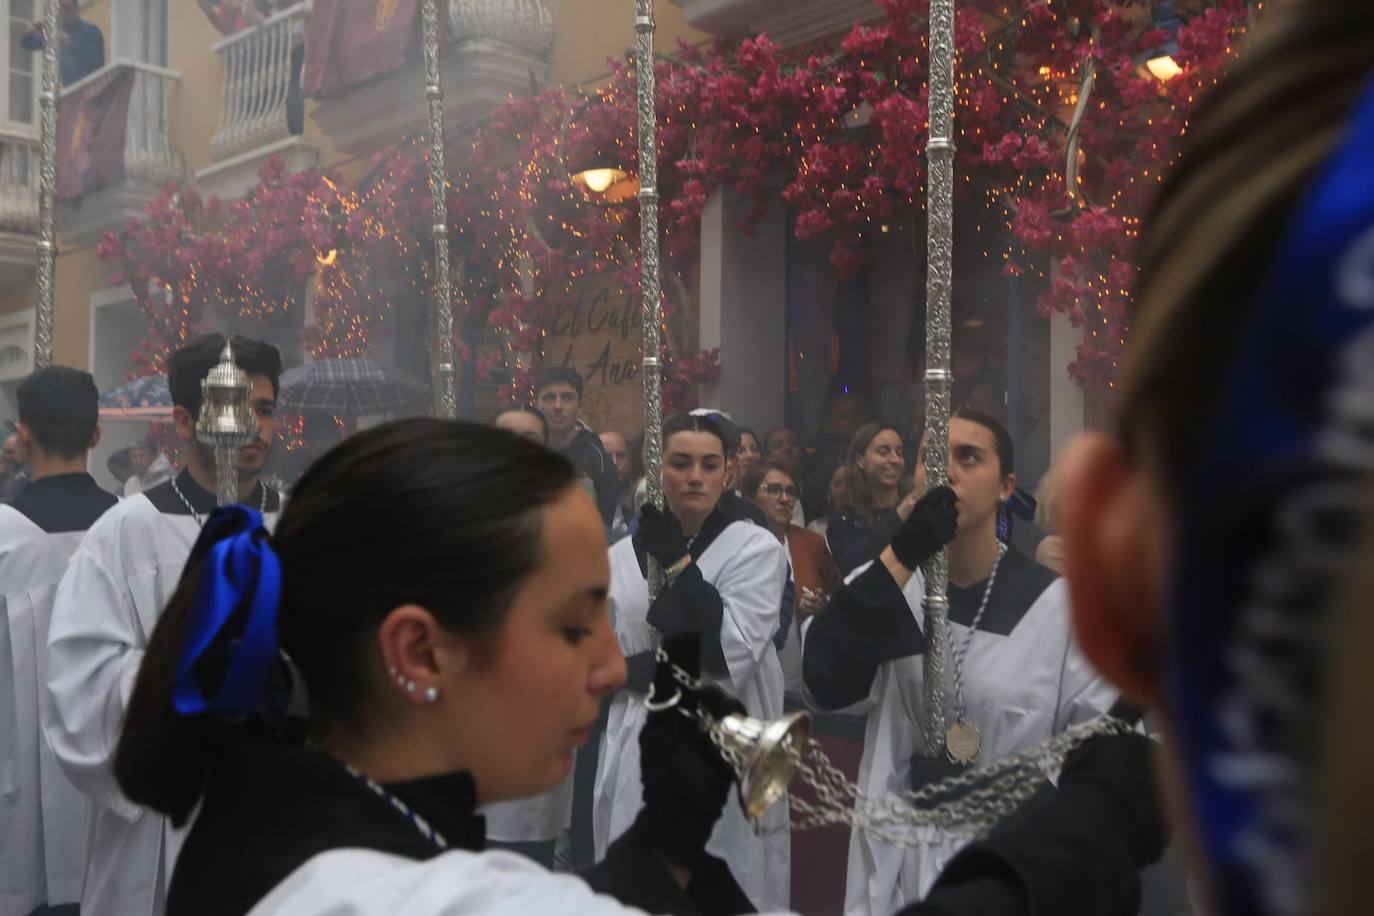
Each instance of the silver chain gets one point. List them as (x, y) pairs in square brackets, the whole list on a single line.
[(200, 520), (961, 652), (974, 800)]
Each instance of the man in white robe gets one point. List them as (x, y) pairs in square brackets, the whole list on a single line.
[(106, 607), (42, 816)]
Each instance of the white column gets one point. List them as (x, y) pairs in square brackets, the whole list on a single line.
[(744, 310)]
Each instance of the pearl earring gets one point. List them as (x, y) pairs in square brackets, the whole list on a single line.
[(410, 686), (431, 694)]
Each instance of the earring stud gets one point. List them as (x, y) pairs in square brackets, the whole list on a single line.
[(410, 686), (431, 694)]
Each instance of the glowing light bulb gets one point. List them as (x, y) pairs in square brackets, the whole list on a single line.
[(1163, 68), (598, 180)]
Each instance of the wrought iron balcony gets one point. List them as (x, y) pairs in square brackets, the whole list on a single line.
[(258, 79), (19, 172)]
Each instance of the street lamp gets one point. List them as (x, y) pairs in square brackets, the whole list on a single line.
[(1159, 63), (600, 180)]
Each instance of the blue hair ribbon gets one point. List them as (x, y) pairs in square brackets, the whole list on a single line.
[(1268, 521), (234, 613)]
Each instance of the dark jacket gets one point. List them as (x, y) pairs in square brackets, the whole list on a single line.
[(586, 453), (853, 544), (83, 54)]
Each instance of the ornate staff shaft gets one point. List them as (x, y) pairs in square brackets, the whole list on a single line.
[(939, 274), (442, 375), (651, 285), (47, 191)]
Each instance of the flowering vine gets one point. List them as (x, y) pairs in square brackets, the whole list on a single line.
[(1062, 139)]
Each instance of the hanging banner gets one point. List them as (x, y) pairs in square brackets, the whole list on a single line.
[(92, 124), (348, 42)]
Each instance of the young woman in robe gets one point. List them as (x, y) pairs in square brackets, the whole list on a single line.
[(1023, 679), (424, 634), (725, 579)]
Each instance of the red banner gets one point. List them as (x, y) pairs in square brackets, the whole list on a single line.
[(348, 42), (91, 127)]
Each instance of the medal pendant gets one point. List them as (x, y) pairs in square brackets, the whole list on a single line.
[(962, 743)]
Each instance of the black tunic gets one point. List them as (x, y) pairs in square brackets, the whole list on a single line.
[(63, 502), (269, 808)]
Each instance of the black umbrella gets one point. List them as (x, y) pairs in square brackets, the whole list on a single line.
[(358, 387)]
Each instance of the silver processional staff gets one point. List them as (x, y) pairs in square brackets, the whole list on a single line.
[(226, 421)]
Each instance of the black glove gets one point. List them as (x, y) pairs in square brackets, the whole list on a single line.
[(661, 535), (1078, 848), (686, 781), (931, 525), (1120, 766)]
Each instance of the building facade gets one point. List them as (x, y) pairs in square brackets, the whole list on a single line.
[(212, 108)]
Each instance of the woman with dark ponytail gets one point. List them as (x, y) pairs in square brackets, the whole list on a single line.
[(426, 633)]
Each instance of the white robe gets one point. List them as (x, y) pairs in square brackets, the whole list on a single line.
[(1019, 690), (358, 882), (42, 815), (747, 566), (108, 602)]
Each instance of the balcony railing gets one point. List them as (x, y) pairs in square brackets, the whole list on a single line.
[(19, 173), (260, 84), (148, 157)]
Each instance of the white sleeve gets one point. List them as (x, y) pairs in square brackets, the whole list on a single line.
[(355, 882), (94, 650), (750, 588), (1083, 693), (11, 742), (875, 868)]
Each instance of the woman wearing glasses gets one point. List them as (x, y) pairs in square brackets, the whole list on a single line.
[(812, 573)]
